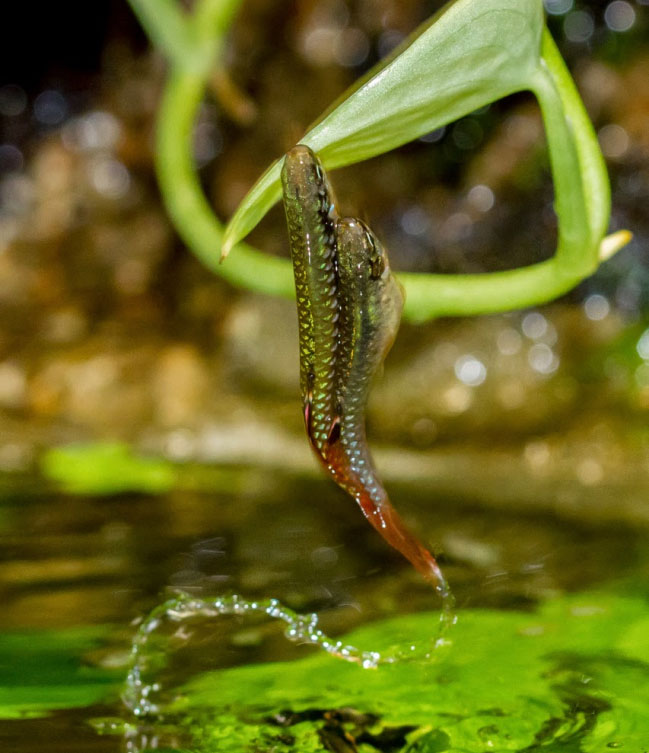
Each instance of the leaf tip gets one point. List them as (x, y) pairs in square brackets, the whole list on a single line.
[(611, 244), (227, 244)]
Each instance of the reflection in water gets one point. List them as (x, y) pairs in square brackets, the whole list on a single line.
[(300, 628)]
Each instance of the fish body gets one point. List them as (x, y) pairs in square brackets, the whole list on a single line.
[(349, 308), (311, 217), (370, 303)]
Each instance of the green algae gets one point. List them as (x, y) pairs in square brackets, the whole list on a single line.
[(572, 677)]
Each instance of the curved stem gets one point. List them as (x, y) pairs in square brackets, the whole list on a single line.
[(191, 41), (186, 203), (169, 28), (431, 296)]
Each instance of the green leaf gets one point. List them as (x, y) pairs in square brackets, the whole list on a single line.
[(106, 468), (41, 671), (469, 54), (575, 676)]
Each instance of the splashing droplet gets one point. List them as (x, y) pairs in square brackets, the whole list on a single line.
[(300, 628)]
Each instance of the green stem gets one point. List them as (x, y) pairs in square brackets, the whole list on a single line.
[(211, 19), (574, 244), (180, 186), (431, 296), (593, 185), (168, 28), (582, 199), (186, 203), (190, 41)]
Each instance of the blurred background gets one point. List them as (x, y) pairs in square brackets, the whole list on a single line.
[(150, 424), (111, 330)]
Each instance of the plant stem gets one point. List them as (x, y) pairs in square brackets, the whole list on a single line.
[(190, 41), (575, 161), (168, 28), (186, 203)]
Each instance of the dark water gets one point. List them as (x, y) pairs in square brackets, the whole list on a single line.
[(72, 561)]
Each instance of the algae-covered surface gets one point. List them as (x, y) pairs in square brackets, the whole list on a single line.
[(573, 675)]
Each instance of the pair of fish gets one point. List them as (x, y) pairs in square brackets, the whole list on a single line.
[(349, 306)]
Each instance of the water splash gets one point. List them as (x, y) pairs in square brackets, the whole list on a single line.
[(300, 628)]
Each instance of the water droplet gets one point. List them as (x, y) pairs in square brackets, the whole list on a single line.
[(542, 359), (534, 325), (457, 398), (589, 472), (470, 371), (50, 107), (299, 628), (90, 132), (641, 375), (643, 345), (13, 100), (619, 15), (11, 158), (578, 26), (481, 197), (388, 41), (558, 7), (324, 557), (351, 47), (434, 136), (415, 221), (509, 341), (467, 134), (596, 307), (614, 140)]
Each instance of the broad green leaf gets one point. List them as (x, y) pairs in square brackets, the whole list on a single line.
[(573, 677), (469, 54)]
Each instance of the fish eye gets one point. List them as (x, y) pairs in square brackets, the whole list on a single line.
[(376, 259), (377, 263), (377, 266)]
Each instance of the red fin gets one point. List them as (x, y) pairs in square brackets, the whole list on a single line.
[(307, 415), (388, 523), (334, 432), (307, 422)]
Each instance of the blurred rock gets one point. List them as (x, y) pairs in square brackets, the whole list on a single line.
[(13, 385), (179, 386), (260, 344)]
